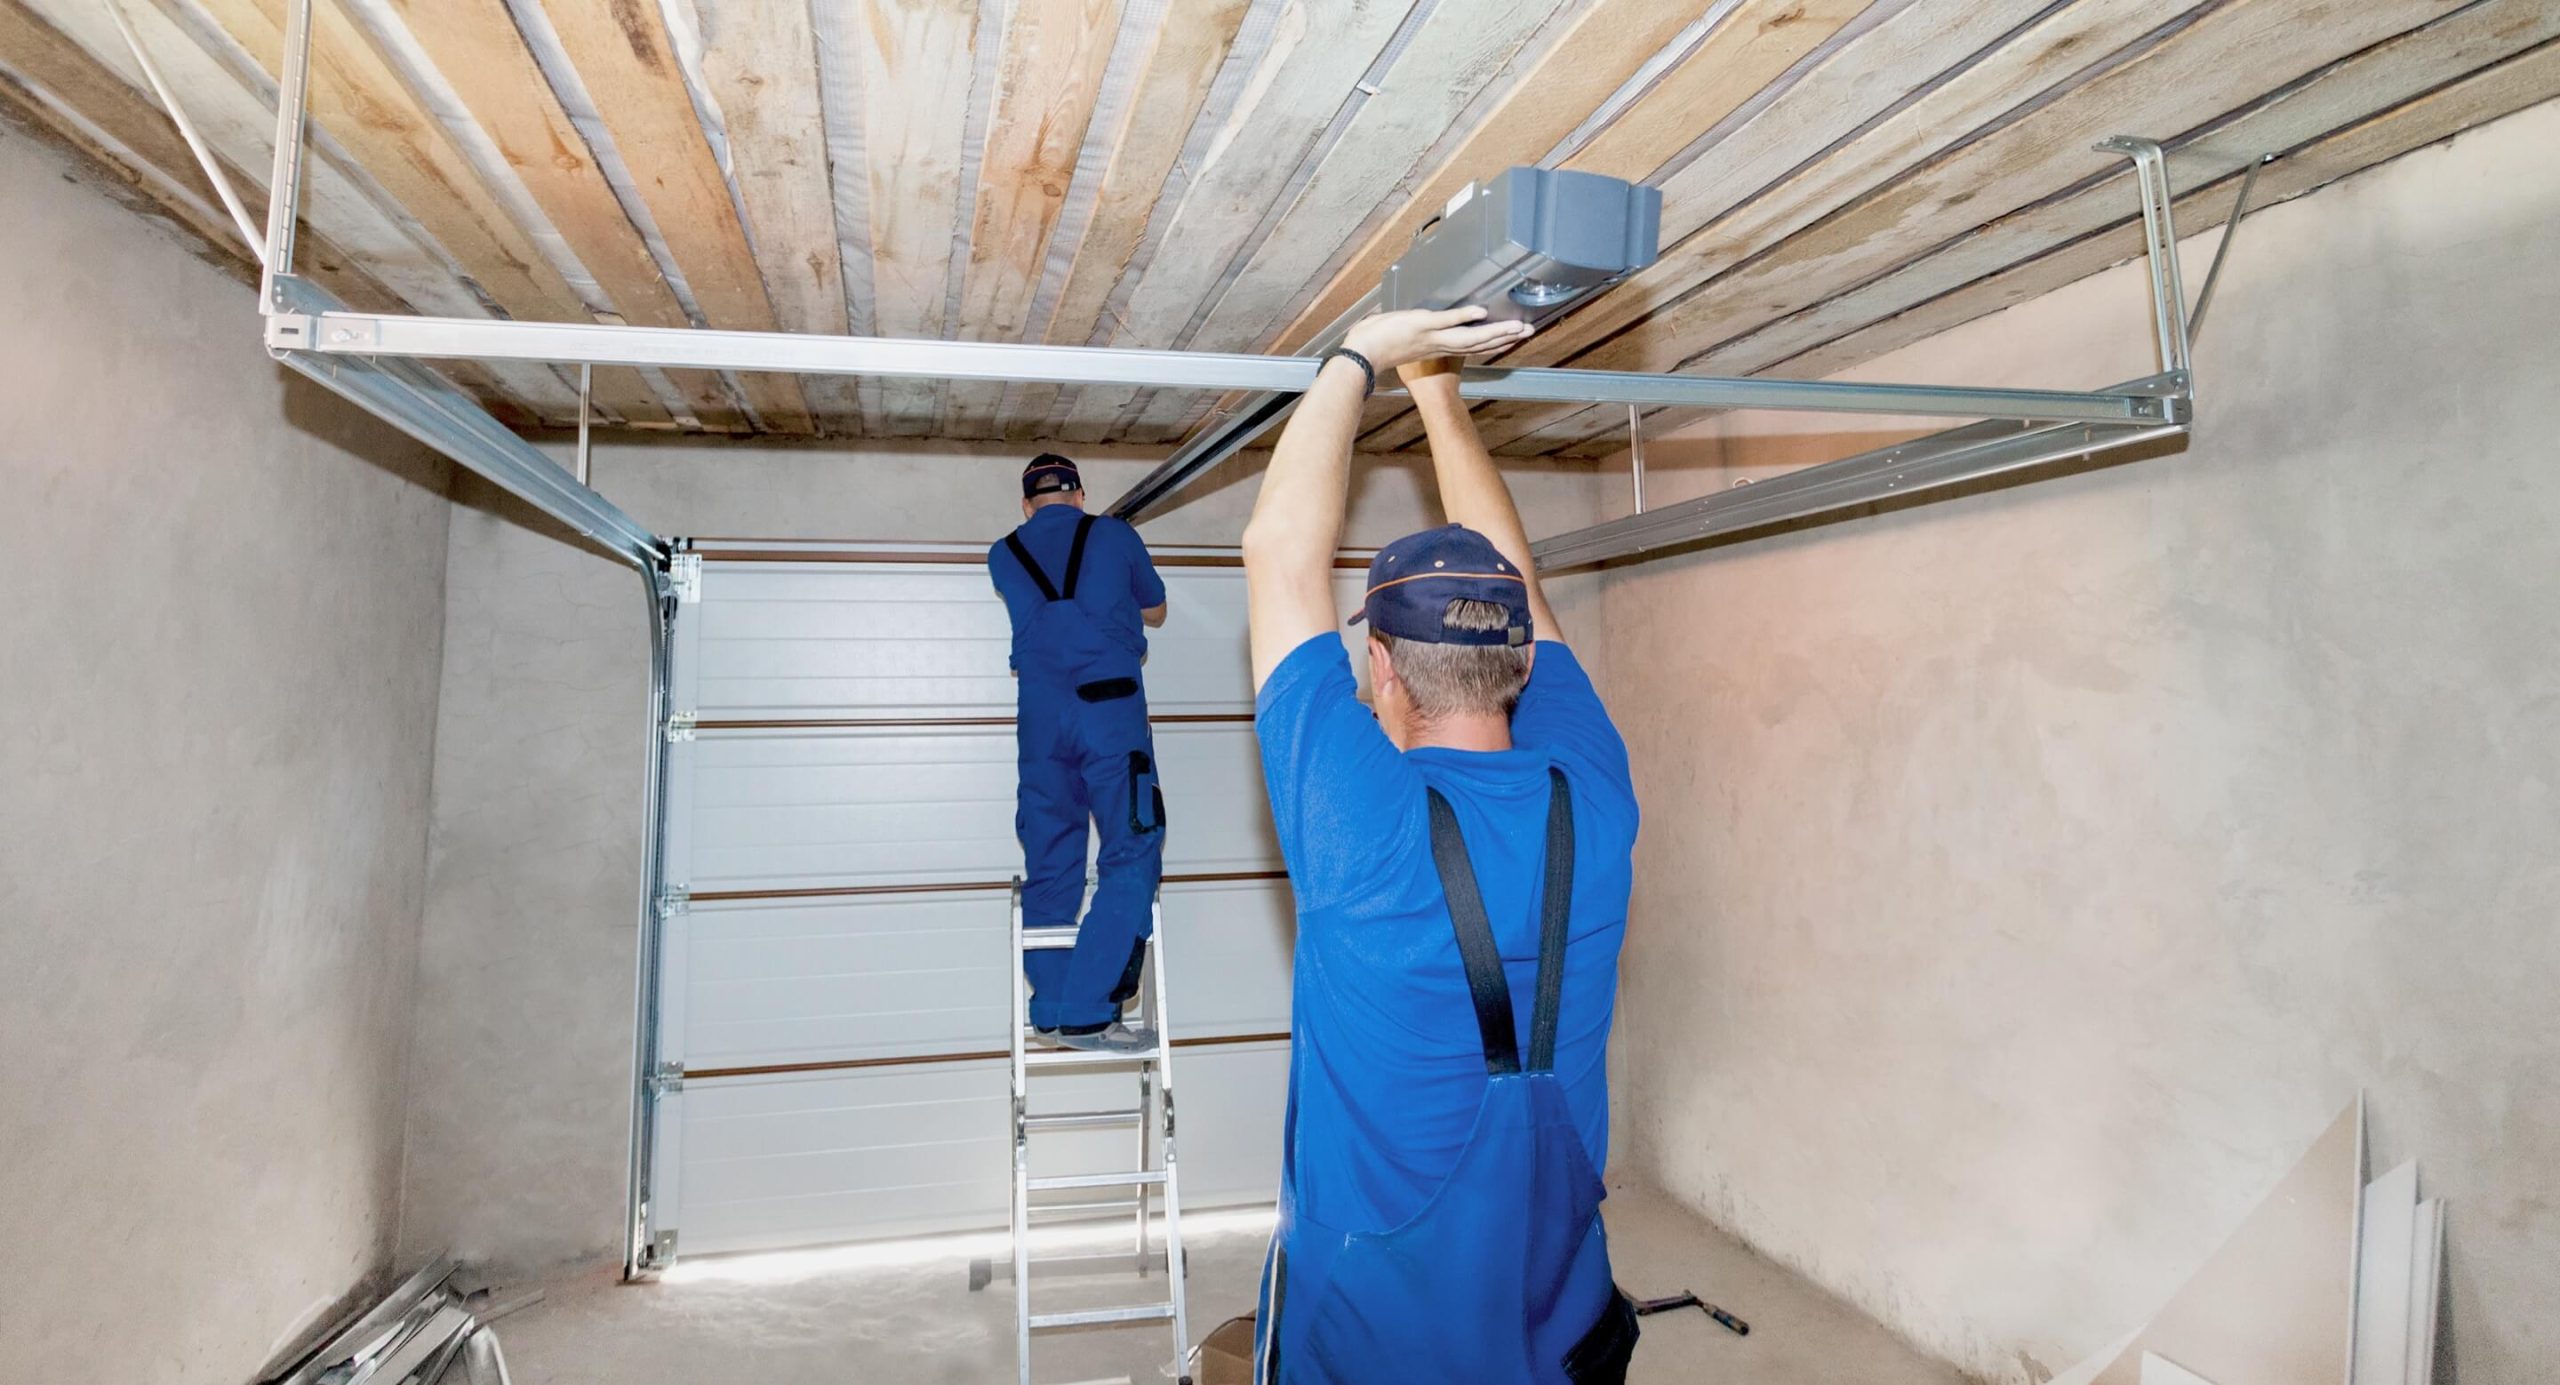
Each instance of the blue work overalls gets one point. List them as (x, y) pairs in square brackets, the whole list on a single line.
[(1085, 755), (1503, 1277)]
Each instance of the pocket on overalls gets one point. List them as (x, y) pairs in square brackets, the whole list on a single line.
[(1107, 689), (1146, 796)]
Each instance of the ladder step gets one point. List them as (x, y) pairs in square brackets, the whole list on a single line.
[(1148, 1177), (1082, 1120), (1048, 939), (1118, 1207), (1145, 1312), (1083, 1057)]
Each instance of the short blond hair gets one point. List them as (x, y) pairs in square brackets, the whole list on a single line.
[(1453, 679)]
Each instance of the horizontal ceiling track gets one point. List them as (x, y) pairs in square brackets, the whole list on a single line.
[(344, 333), (426, 407), (1913, 468)]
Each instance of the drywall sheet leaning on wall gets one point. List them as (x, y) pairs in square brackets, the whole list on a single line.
[(2271, 1306)]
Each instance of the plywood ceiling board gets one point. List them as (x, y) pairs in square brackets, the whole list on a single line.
[(1852, 124), (1318, 54), (1751, 48), (1173, 82), (622, 54), (1047, 80), (760, 62), (475, 46), (915, 61)]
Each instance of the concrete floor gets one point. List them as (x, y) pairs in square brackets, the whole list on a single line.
[(862, 1314)]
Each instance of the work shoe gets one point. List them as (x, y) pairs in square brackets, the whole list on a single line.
[(1114, 1037)]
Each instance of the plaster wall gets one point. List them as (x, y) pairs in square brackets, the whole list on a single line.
[(2027, 879), (522, 1075), (218, 670)]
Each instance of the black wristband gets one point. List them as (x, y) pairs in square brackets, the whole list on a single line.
[(1367, 371)]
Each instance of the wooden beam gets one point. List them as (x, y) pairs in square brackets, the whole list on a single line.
[(2229, 57), (2246, 49), (629, 66), (2492, 54), (760, 61), (1898, 93), (74, 50), (1751, 48), (1173, 82), (1319, 51), (1603, 49), (1456, 53), (916, 59), (2500, 89), (475, 46), (1047, 80)]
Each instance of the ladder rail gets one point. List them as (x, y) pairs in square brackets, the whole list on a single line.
[(1154, 1119)]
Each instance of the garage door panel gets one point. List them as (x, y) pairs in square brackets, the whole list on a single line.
[(822, 936), (808, 1160), (872, 807), (863, 640), (902, 975)]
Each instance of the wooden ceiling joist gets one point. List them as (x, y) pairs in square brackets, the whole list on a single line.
[(1839, 177), (1046, 84), (630, 70), (761, 64), (2092, 227), (474, 44), (916, 61), (1316, 60), (1172, 84)]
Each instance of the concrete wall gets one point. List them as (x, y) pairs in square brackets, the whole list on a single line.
[(523, 1057), (2027, 879), (218, 668)]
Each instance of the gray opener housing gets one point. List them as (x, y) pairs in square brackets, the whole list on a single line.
[(1528, 245)]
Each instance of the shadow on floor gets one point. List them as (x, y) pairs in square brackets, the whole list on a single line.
[(907, 1315)]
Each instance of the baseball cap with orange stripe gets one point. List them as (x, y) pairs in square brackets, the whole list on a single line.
[(1413, 581)]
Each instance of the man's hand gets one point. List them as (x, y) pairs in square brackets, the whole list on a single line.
[(1391, 341)]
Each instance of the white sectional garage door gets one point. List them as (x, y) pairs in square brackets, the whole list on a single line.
[(840, 824)]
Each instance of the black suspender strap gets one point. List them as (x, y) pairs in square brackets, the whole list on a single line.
[(1022, 555), (1075, 559), (1475, 940), (1555, 914), (1486, 984)]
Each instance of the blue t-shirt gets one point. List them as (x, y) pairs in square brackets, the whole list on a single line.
[(1117, 582), (1386, 1068)]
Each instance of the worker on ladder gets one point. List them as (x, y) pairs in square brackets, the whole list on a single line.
[(1080, 589), (1461, 852)]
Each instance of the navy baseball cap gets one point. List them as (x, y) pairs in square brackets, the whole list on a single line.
[(1413, 580), (1049, 472)]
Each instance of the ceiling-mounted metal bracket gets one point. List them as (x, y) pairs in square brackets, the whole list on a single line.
[(2222, 251), (2159, 244)]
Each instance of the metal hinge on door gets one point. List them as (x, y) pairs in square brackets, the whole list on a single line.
[(680, 727), (666, 1077), (684, 573), (674, 900)]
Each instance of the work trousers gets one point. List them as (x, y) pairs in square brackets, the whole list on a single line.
[(1087, 763)]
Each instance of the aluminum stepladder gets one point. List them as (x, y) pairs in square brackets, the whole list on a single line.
[(1153, 1117)]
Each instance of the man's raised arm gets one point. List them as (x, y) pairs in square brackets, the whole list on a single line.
[(1472, 492), (1297, 519)]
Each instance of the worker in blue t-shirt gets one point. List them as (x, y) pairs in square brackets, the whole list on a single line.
[(1461, 851), (1080, 589)]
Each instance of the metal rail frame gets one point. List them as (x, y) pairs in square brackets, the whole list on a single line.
[(373, 360), (1997, 445)]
